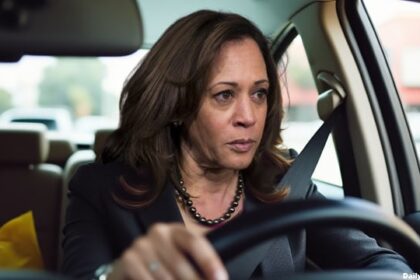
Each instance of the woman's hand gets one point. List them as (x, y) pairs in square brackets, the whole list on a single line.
[(169, 251)]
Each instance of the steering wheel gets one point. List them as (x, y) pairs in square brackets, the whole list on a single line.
[(255, 227)]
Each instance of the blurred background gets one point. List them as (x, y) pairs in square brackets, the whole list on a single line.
[(76, 96)]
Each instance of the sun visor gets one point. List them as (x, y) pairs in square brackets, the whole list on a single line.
[(69, 28)]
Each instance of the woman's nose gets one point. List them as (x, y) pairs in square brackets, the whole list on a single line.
[(245, 114)]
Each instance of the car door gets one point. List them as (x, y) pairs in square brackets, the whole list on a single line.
[(374, 147)]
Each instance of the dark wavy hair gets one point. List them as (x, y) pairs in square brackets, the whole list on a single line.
[(168, 86)]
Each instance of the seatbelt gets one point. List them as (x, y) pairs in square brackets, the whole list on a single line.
[(299, 175), (298, 179)]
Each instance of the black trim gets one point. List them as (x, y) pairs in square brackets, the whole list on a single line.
[(413, 220), (283, 41), (345, 157)]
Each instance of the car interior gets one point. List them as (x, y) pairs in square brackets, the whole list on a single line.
[(330, 53)]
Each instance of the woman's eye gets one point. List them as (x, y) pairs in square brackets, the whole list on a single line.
[(261, 94), (224, 96)]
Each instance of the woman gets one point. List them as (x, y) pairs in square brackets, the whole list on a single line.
[(196, 146)]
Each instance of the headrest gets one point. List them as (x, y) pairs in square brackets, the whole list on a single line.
[(60, 151), (23, 144), (101, 135)]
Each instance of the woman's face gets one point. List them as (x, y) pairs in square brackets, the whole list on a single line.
[(230, 122)]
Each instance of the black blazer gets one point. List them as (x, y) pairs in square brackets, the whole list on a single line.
[(97, 230)]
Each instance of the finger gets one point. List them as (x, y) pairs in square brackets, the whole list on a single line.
[(151, 259), (204, 255), (132, 266), (178, 264), (174, 260)]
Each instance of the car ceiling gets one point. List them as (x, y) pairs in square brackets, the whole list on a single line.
[(269, 15), (113, 27)]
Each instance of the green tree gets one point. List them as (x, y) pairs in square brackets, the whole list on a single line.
[(5, 100), (75, 83)]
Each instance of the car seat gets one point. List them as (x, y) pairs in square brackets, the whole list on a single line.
[(60, 151), (27, 183), (76, 160)]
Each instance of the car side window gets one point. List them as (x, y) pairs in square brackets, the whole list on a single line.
[(397, 25), (301, 118)]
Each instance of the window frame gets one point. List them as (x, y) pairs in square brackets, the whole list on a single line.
[(399, 150)]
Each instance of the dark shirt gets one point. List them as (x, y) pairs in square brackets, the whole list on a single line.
[(98, 230)]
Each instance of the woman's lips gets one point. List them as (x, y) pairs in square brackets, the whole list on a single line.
[(241, 146)]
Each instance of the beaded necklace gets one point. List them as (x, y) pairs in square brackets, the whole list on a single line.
[(185, 198)]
